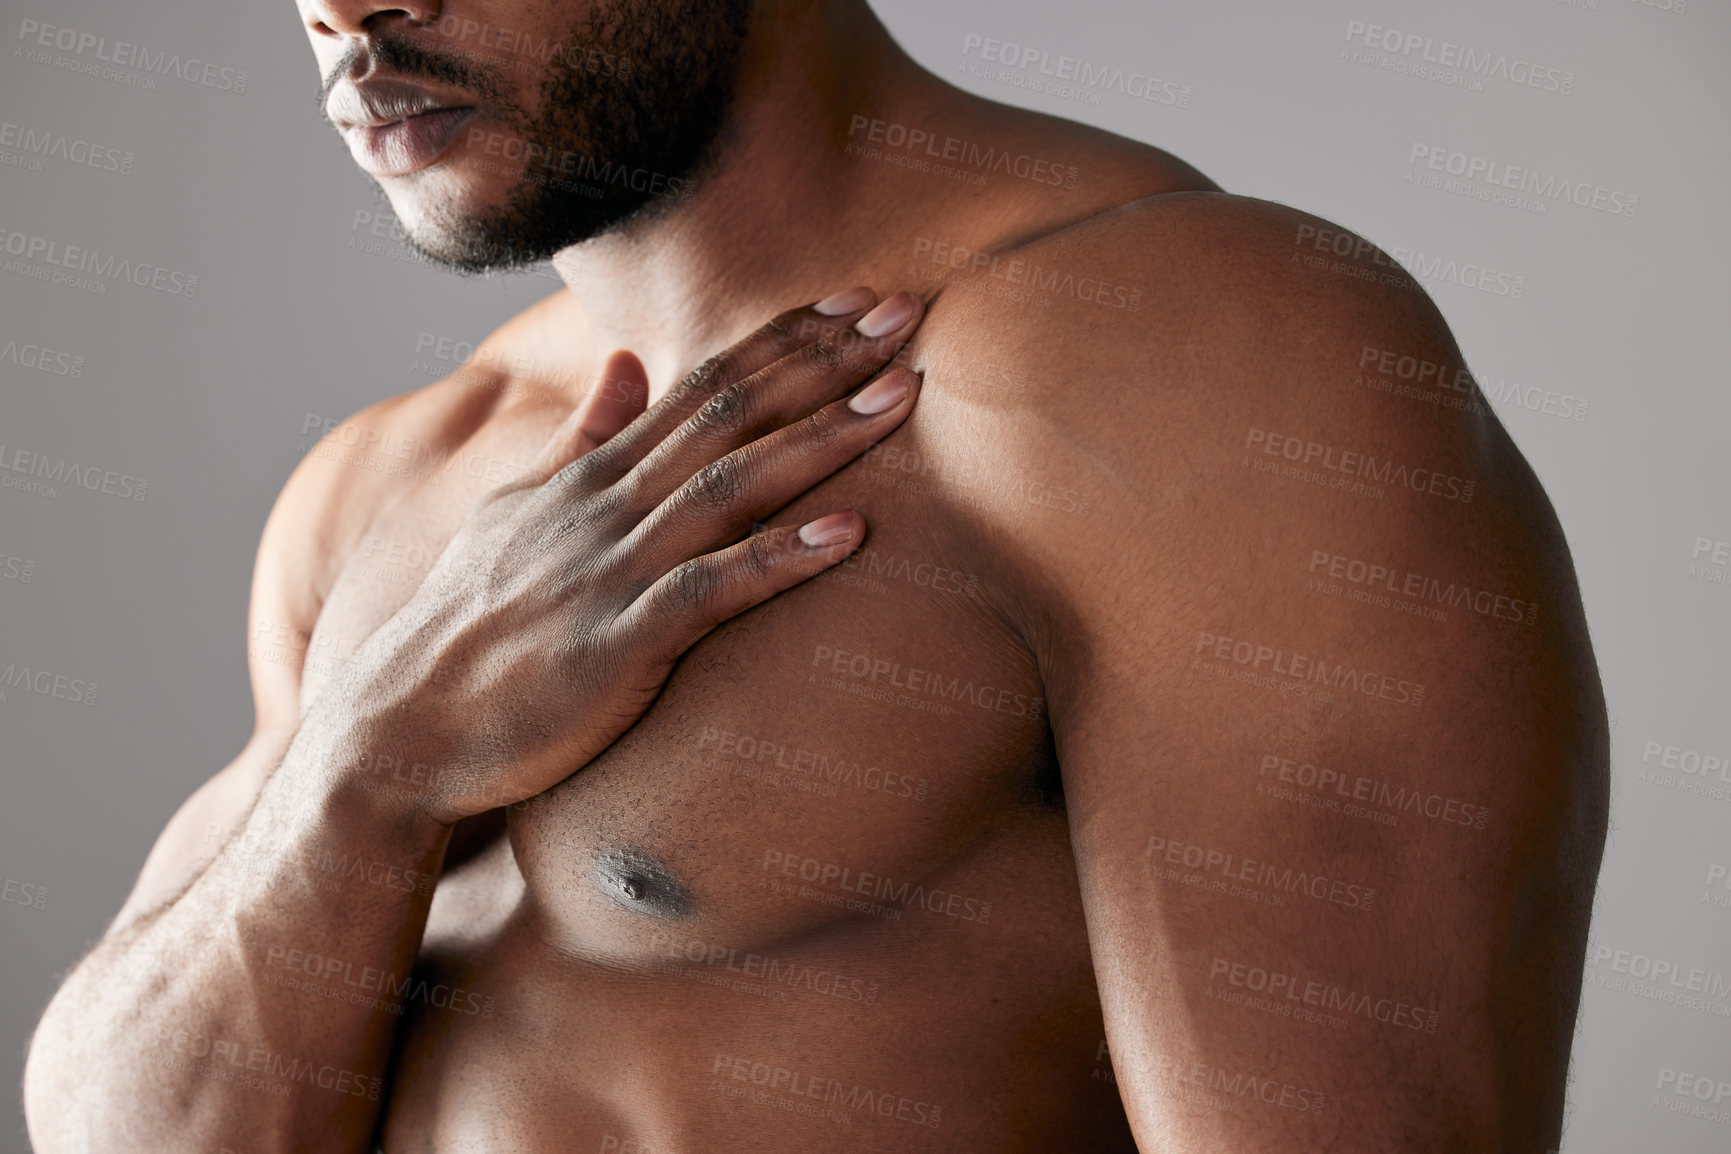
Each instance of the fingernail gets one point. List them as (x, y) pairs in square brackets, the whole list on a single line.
[(887, 317), (845, 301), (830, 530), (884, 393)]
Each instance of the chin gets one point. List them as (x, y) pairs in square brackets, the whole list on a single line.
[(439, 205)]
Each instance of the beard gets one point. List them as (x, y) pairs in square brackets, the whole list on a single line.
[(630, 111)]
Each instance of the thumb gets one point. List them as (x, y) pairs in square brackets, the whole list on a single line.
[(619, 397), (608, 404)]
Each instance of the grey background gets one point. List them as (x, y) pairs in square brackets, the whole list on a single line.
[(206, 399)]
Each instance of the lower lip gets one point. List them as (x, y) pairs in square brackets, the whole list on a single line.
[(408, 145)]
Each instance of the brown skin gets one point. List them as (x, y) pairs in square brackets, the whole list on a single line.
[(1089, 465)]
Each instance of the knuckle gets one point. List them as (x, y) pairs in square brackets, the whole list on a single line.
[(759, 557), (825, 354), (820, 429), (592, 470), (727, 412), (591, 516), (556, 526), (584, 635), (693, 585), (707, 377), (551, 537), (717, 485), (574, 474)]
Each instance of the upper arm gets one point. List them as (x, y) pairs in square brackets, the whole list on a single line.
[(319, 512), (1336, 835), (322, 513)]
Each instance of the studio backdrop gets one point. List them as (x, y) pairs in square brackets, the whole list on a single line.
[(1564, 204)]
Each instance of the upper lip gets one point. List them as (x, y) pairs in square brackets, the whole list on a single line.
[(376, 103)]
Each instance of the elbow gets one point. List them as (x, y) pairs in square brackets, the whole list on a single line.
[(48, 1111), (66, 1088)]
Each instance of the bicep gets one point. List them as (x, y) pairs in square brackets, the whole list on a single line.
[(1331, 734), (1337, 840)]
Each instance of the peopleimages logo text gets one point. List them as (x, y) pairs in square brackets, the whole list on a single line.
[(51, 471), (59, 146), (1085, 73), (1546, 186), (127, 55), (1471, 61), (87, 260)]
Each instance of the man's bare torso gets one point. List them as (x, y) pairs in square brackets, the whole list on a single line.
[(823, 890), (828, 892)]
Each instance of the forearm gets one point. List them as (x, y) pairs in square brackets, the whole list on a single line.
[(545, 629), (195, 1027)]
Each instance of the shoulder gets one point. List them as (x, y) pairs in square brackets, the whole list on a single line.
[(355, 465), (1159, 344), (1185, 412), (1239, 497), (1293, 536), (1168, 287), (359, 465), (350, 473)]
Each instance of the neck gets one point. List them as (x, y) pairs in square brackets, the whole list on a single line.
[(783, 215)]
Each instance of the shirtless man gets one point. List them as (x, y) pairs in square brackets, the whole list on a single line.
[(1203, 753)]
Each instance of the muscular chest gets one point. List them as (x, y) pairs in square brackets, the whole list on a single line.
[(836, 756)]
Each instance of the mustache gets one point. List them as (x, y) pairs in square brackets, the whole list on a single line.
[(402, 57)]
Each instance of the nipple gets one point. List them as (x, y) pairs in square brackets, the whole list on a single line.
[(635, 881)]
